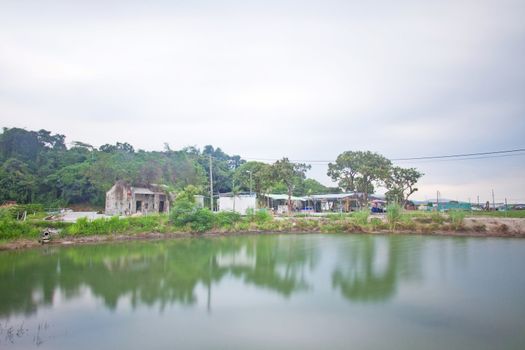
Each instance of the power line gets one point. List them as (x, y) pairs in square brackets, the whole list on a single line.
[(469, 158), (462, 156)]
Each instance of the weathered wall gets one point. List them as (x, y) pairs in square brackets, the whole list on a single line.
[(122, 200), (118, 201)]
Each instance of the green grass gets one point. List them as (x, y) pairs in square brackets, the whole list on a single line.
[(393, 215), (203, 221), (499, 214), (361, 217), (456, 218), (12, 229)]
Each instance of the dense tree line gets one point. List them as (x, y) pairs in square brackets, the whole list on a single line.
[(36, 166)]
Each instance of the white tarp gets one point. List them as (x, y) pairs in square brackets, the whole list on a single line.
[(240, 203)]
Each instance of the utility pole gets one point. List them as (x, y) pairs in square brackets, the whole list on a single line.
[(493, 201), (250, 172), (211, 185)]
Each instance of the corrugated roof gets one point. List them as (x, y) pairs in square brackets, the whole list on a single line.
[(142, 190), (285, 197), (333, 195)]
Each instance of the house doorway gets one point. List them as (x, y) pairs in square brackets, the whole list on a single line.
[(138, 207), (161, 207)]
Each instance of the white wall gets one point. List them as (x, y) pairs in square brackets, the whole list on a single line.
[(242, 203)]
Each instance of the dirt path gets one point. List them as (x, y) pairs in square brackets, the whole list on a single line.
[(496, 225)]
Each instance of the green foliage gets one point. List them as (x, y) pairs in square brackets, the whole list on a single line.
[(456, 217), (270, 226), (184, 207), (306, 225), (289, 174), (18, 210), (361, 217), (113, 225), (500, 214), (226, 219), (254, 175), (437, 217), (11, 229), (36, 166), (341, 226), (376, 223), (186, 213), (400, 183), (358, 170), (261, 216), (201, 220), (393, 215)]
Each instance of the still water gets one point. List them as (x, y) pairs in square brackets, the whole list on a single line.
[(267, 292)]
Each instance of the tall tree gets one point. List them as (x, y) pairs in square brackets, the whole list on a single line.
[(255, 175), (344, 170), (288, 173), (359, 170), (401, 184)]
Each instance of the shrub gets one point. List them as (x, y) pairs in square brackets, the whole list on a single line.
[(242, 226), (376, 223), (456, 217), (437, 217), (18, 210), (184, 207), (201, 220), (393, 215), (305, 225), (10, 229), (361, 217), (146, 223), (269, 226), (406, 223), (79, 227), (226, 219), (262, 216), (112, 225)]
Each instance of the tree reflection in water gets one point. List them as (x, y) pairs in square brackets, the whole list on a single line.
[(366, 268), (369, 267), (162, 272)]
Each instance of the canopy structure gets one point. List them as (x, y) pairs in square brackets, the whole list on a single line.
[(348, 201), (285, 197)]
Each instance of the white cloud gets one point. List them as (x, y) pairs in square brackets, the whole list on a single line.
[(303, 79)]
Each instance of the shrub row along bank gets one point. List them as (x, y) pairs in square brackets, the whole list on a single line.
[(205, 221), (187, 217)]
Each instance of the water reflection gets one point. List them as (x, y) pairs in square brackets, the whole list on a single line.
[(306, 291), (369, 267), (366, 269), (152, 272)]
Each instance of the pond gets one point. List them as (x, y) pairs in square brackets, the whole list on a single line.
[(311, 291)]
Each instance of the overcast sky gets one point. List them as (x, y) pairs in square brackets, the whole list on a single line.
[(267, 79)]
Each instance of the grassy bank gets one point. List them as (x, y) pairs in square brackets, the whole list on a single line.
[(203, 221)]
